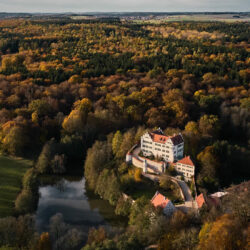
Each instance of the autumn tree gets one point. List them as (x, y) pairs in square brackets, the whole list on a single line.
[(44, 242), (137, 175), (40, 107), (209, 125), (116, 142), (208, 176), (127, 143), (97, 157), (15, 140), (176, 106), (222, 234), (76, 120), (166, 182), (96, 235)]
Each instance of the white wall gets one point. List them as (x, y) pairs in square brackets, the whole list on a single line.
[(185, 170), (167, 150)]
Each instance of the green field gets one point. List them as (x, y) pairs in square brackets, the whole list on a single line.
[(11, 173)]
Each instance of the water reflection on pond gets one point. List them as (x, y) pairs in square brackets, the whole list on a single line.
[(79, 207)]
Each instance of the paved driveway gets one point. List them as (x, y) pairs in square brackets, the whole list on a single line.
[(189, 202), (185, 190)]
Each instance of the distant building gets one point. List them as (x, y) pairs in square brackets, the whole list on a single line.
[(218, 194), (185, 167), (200, 200), (169, 148), (210, 200), (160, 200)]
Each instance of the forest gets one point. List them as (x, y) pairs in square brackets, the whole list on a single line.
[(84, 91)]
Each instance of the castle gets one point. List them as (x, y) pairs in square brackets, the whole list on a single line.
[(166, 149), (169, 148)]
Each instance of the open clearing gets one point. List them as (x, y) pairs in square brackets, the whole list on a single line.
[(199, 18), (11, 173)]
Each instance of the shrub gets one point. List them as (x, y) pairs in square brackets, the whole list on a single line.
[(24, 202)]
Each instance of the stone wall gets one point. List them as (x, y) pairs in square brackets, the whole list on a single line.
[(147, 165)]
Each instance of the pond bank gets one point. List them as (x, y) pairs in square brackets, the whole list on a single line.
[(80, 207)]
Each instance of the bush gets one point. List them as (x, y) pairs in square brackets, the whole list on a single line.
[(166, 182), (27, 200), (44, 159), (123, 206), (58, 164), (30, 180), (18, 233), (137, 175), (24, 202)]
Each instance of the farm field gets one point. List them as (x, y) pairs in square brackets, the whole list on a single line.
[(230, 18), (11, 173)]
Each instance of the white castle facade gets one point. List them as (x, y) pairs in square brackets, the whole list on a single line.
[(169, 148)]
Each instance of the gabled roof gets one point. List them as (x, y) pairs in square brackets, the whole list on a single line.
[(158, 132), (176, 139), (159, 138), (200, 200), (187, 161), (160, 200)]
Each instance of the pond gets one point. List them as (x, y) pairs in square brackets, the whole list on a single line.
[(80, 207)]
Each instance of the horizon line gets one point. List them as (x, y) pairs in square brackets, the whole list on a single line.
[(164, 12)]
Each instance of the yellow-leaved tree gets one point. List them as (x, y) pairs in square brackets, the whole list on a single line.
[(76, 120), (44, 242), (223, 234)]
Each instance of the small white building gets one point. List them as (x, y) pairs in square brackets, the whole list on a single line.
[(155, 143), (185, 167), (160, 200)]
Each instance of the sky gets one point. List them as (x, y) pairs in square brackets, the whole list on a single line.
[(122, 5)]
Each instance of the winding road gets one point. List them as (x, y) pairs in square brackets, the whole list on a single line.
[(190, 203)]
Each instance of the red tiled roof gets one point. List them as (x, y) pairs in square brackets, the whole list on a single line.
[(159, 200), (200, 200), (159, 138), (187, 161)]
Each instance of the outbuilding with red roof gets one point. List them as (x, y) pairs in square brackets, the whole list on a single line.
[(185, 167), (160, 200)]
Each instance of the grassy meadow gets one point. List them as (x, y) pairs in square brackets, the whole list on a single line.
[(11, 173)]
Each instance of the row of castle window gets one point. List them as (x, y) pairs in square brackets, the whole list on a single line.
[(147, 151), (156, 144), (161, 145), (185, 170), (146, 142), (165, 151), (158, 149), (186, 166)]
